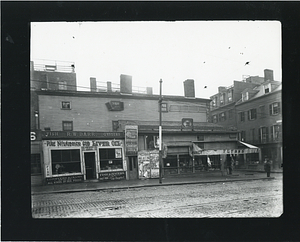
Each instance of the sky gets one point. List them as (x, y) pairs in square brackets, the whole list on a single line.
[(213, 53)]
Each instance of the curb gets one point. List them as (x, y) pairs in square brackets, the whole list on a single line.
[(149, 185)]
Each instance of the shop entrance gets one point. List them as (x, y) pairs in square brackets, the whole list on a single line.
[(90, 168), (132, 167)]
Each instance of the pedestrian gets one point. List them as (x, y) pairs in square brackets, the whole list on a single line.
[(229, 166), (267, 166), (222, 166)]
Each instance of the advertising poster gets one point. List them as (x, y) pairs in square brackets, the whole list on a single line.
[(148, 163), (131, 140)]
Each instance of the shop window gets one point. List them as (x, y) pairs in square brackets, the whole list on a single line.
[(242, 116), (35, 160), (274, 108), (252, 114), (67, 125), (110, 159), (262, 111), (65, 161), (170, 161), (65, 105)]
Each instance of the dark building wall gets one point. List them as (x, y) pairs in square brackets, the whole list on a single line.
[(92, 114), (40, 78)]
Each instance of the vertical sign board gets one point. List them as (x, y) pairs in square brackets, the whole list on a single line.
[(148, 163), (131, 140)]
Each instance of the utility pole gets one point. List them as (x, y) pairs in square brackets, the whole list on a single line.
[(160, 133)]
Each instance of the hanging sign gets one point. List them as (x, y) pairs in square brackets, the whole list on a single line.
[(131, 140)]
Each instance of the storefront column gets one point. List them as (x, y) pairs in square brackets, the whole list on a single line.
[(193, 164), (178, 169)]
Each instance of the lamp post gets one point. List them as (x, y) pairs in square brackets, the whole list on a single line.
[(160, 133)]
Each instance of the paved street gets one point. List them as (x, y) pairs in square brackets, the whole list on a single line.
[(257, 198)]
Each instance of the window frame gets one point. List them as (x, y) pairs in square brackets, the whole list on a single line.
[(222, 117), (111, 161), (245, 96), (267, 88), (164, 109), (230, 95), (66, 102), (62, 85), (250, 114), (54, 163), (222, 99), (67, 122), (215, 118), (271, 108), (242, 116)]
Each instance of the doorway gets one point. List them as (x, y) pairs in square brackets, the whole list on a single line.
[(133, 167), (90, 168)]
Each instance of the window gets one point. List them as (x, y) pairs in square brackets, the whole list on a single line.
[(65, 105), (230, 94), (164, 107), (200, 137), (243, 136), (222, 99), (35, 160), (110, 159), (65, 161), (263, 134), (62, 85), (275, 133), (262, 111), (230, 113), (214, 102), (67, 125), (222, 116), (215, 118), (245, 96), (267, 88), (252, 114), (242, 116), (274, 108)]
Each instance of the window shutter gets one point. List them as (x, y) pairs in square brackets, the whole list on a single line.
[(270, 109)]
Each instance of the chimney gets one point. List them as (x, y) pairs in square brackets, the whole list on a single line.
[(149, 90), (221, 89), (109, 89), (126, 84), (93, 84), (268, 75), (189, 89)]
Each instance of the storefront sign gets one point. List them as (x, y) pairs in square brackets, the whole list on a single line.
[(78, 134), (227, 151), (131, 140), (115, 106), (64, 179), (118, 175), (82, 143)]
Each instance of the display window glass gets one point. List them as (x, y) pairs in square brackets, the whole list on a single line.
[(110, 159), (65, 161)]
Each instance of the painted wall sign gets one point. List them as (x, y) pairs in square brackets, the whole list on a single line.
[(115, 106), (64, 179), (79, 134), (82, 143), (118, 175), (131, 140), (187, 123)]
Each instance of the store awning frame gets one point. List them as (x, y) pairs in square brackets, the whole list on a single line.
[(248, 145)]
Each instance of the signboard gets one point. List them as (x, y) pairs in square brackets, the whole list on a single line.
[(115, 106), (148, 163), (187, 123), (131, 140), (64, 179), (227, 151), (86, 144), (110, 176), (79, 134)]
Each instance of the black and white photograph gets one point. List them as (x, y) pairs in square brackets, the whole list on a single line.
[(156, 119)]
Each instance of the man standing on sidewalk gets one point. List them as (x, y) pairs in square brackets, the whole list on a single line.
[(267, 166)]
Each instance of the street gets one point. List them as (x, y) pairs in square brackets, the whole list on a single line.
[(255, 198)]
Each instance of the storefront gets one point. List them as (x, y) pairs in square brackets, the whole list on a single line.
[(75, 160)]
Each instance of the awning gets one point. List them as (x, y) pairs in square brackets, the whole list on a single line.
[(248, 145)]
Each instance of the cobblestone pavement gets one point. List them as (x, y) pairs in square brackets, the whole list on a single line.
[(257, 198)]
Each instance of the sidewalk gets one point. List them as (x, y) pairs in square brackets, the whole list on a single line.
[(195, 178)]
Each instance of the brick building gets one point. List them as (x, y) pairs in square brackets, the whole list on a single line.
[(253, 108), (111, 132)]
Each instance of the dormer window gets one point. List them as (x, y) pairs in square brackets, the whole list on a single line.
[(214, 101), (267, 88), (230, 95), (245, 96), (222, 98)]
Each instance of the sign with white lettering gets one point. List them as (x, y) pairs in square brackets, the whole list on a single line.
[(79, 134), (82, 143), (131, 140), (64, 179), (117, 175)]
